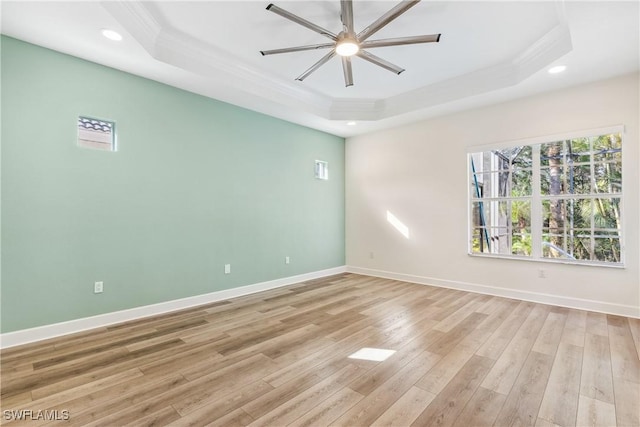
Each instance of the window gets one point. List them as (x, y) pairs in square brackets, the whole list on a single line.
[(555, 199), (322, 170), (96, 133)]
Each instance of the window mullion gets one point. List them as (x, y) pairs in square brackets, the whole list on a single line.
[(536, 204)]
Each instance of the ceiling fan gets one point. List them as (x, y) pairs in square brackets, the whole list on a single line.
[(347, 43)]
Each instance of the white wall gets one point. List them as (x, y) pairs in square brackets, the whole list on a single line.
[(418, 172)]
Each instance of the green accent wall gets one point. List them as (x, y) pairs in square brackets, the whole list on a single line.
[(195, 184)]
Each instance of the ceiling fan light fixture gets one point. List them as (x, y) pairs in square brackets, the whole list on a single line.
[(347, 45), (347, 48)]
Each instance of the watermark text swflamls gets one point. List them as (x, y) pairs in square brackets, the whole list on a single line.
[(31, 415)]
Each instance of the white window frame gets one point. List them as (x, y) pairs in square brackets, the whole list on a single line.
[(322, 170), (94, 140), (537, 197)]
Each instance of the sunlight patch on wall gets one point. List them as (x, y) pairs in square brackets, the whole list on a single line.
[(403, 229)]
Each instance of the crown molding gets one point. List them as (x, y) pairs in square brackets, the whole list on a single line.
[(356, 109), (137, 20), (172, 46), (552, 45), (181, 50)]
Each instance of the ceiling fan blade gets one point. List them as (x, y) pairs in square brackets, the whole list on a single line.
[(398, 10), (348, 73), (346, 14), (301, 21), (297, 49), (317, 65), (432, 38), (379, 61)]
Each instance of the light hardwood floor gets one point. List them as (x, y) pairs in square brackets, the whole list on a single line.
[(281, 358)]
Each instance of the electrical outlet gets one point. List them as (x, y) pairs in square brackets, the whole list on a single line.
[(98, 287), (542, 274), (227, 269), (371, 255), (286, 260)]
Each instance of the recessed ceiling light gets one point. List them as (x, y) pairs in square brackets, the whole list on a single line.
[(557, 69), (351, 123), (112, 35)]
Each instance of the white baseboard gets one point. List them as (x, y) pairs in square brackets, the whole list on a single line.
[(581, 304), (25, 336)]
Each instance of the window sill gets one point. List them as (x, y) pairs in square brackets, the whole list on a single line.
[(549, 260)]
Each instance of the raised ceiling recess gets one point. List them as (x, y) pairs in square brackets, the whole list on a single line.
[(490, 51)]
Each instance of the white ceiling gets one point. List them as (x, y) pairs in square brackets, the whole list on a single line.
[(489, 52)]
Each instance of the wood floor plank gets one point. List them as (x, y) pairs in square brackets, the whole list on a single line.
[(624, 357), (406, 329), (452, 320), (507, 367), (15, 368), (439, 376), (219, 408), (523, 401), (190, 356), (449, 404), (627, 396), (281, 357), (17, 401), (380, 373), (406, 409), (449, 340), (560, 401), (127, 408), (575, 328), (320, 357), (290, 342), (162, 417), (482, 409), (237, 418), (221, 383), (31, 350), (334, 406), (289, 390), (132, 389), (301, 351), (197, 328), (499, 340), (541, 422), (634, 327), (597, 381), (362, 302), (487, 327), (61, 399), (595, 413), (452, 303), (549, 337), (51, 376), (597, 324), (380, 399), (89, 369), (308, 399)]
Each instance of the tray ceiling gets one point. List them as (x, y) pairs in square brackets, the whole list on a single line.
[(489, 52)]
